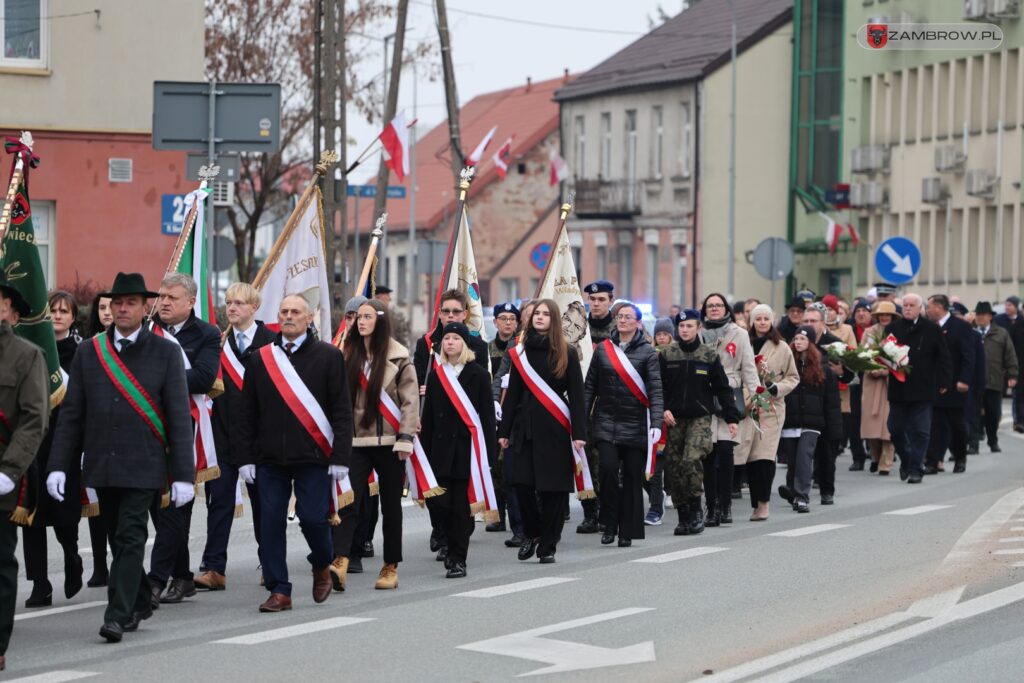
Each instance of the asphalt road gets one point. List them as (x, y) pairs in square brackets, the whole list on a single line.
[(892, 583)]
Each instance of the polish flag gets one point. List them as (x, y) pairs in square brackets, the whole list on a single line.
[(478, 153), (832, 232), (854, 235), (502, 156), (395, 140), (559, 169)]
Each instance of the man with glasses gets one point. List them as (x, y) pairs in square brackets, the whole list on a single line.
[(506, 321)]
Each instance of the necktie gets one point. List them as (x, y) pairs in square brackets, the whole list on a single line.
[(125, 343), (289, 347), (241, 342)]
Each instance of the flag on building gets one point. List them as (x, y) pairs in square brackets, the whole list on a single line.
[(559, 169), (854, 235), (395, 140), (474, 158), (297, 264), (561, 284), (21, 264), (503, 156), (832, 232)]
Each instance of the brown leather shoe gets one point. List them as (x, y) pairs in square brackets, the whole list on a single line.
[(388, 577), (339, 573), (211, 581), (321, 584), (277, 602)]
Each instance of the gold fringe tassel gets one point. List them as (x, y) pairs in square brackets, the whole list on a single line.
[(91, 510), (436, 491), (22, 516), (586, 495), (209, 474), (217, 389), (421, 503), (491, 516), (238, 511), (475, 508), (375, 489), (345, 499), (165, 501)]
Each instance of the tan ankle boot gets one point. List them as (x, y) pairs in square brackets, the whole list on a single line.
[(388, 577), (339, 573)]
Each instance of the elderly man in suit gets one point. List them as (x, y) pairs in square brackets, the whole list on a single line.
[(949, 421), (24, 417), (126, 419)]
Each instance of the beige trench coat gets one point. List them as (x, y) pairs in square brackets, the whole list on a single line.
[(765, 445), (874, 417), (739, 368)]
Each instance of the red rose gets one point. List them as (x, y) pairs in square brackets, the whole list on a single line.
[(758, 359), (760, 390)]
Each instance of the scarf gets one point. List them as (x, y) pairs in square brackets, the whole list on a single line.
[(713, 332), (599, 323), (690, 346), (758, 344)]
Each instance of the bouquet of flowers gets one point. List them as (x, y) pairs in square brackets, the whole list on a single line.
[(761, 402), (895, 357), (855, 360)]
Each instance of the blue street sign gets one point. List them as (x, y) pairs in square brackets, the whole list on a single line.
[(172, 214), (897, 260), (394, 191)]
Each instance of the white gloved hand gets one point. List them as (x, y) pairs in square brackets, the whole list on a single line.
[(497, 411), (504, 381), (337, 472), (247, 473), (655, 435), (6, 485), (182, 492), (55, 485)]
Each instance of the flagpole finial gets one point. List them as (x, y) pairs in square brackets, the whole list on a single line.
[(327, 159), (206, 174), (465, 178), (378, 231), (567, 206)]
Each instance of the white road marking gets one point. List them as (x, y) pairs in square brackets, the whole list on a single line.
[(1009, 551), (975, 542), (55, 677), (679, 555), (261, 637), (808, 530), (1012, 539), (496, 591), (920, 509), (149, 544), (59, 610)]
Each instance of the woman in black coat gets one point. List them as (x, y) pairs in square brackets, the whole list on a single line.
[(812, 413), (447, 440), (62, 516), (544, 466)]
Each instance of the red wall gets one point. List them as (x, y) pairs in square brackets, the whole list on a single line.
[(103, 227)]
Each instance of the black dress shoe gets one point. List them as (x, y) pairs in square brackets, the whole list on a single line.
[(442, 554), (857, 466), (457, 570), (514, 542), (972, 449), (931, 469), (786, 493), (41, 596), (607, 538), (960, 467), (904, 474), (587, 526), (993, 448), (884, 473), (98, 579), (435, 543), (355, 565), (547, 559), (528, 548), (914, 479), (73, 576), (873, 468), (827, 499), (368, 549), (178, 590), (135, 619), (112, 631), (625, 542), (156, 590), (496, 526)]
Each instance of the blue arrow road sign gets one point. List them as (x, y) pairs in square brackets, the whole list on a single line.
[(394, 191), (897, 260), (172, 214)]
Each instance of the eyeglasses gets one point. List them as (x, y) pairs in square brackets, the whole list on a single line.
[(451, 311), (716, 306), (506, 319)]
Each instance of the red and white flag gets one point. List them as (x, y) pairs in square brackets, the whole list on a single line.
[(502, 157), (474, 158), (559, 169), (395, 140), (832, 232), (854, 235)]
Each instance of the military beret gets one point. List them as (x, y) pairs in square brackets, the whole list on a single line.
[(806, 294), (687, 314), (599, 286), (506, 308)]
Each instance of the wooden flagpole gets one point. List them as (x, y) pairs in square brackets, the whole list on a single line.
[(364, 276), (465, 178), (566, 210)]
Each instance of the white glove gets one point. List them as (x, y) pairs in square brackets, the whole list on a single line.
[(55, 485), (655, 435), (504, 381), (6, 485), (497, 411), (182, 492), (337, 472), (247, 473)]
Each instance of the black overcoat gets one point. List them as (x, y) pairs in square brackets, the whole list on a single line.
[(228, 406), (444, 435)]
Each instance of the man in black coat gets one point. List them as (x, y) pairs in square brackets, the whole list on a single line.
[(201, 342), (245, 337), (911, 401), (278, 450), (128, 453), (949, 423), (1013, 322)]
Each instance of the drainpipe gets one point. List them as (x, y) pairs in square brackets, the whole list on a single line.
[(698, 96)]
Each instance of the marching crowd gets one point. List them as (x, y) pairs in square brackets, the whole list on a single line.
[(701, 408)]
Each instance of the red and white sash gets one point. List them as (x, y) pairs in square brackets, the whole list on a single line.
[(204, 453), (559, 409), (636, 385), (481, 487), (417, 465), (232, 365), (298, 398)]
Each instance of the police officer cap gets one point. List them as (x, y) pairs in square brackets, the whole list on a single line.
[(599, 286), (884, 288), (506, 308), (687, 314)]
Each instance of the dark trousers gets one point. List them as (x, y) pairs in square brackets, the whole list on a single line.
[(98, 536), (34, 549), (543, 516), (851, 424), (655, 486), (453, 505), (760, 474), (948, 430), (220, 514), (910, 425), (125, 512), (170, 558), (515, 518), (993, 407), (8, 578), (622, 507), (718, 468), (825, 466), (312, 505), (390, 477)]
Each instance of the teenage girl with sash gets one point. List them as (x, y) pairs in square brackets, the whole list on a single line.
[(458, 432), (544, 414), (382, 382)]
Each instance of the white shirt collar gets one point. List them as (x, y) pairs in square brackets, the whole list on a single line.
[(249, 332), (944, 319), (133, 337), (298, 341)]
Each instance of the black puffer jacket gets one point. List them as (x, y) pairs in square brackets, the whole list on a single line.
[(816, 408), (618, 416)]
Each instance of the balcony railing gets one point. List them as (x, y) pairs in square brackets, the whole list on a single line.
[(607, 197)]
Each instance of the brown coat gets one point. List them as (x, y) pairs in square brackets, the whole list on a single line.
[(25, 406), (874, 416), (401, 385), (764, 445)]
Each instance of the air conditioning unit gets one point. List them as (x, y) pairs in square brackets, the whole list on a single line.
[(870, 159), (867, 195), (119, 170), (980, 182), (1004, 9), (949, 158), (223, 194), (975, 9), (932, 191)]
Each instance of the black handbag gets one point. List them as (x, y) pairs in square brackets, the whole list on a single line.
[(741, 405)]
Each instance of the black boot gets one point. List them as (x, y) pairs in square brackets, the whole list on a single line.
[(712, 519), (697, 517), (725, 514), (683, 528), (589, 524), (41, 596)]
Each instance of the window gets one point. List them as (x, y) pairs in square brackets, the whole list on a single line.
[(625, 283), (602, 263), (652, 274), (631, 161), (403, 280), (577, 259), (43, 224), (534, 285), (25, 33), (684, 148), (509, 288), (581, 147), (658, 134), (606, 145)]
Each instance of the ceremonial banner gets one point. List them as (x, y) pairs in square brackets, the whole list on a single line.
[(193, 259), (561, 284), (462, 275)]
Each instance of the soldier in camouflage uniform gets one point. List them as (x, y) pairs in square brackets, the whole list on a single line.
[(600, 295), (692, 378)]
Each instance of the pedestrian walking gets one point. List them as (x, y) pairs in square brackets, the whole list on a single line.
[(506, 321), (100, 319), (874, 422), (1001, 370), (949, 421)]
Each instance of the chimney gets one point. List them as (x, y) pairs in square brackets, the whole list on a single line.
[(565, 78), (529, 84)]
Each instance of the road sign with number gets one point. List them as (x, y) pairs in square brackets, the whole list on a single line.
[(172, 214)]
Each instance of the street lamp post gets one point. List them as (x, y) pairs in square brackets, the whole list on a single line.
[(732, 163)]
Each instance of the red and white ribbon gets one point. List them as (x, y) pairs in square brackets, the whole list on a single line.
[(90, 503), (636, 385), (298, 398), (373, 482), (232, 366)]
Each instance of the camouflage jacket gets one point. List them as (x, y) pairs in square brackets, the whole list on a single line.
[(691, 380)]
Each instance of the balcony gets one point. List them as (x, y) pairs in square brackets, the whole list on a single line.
[(607, 198)]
